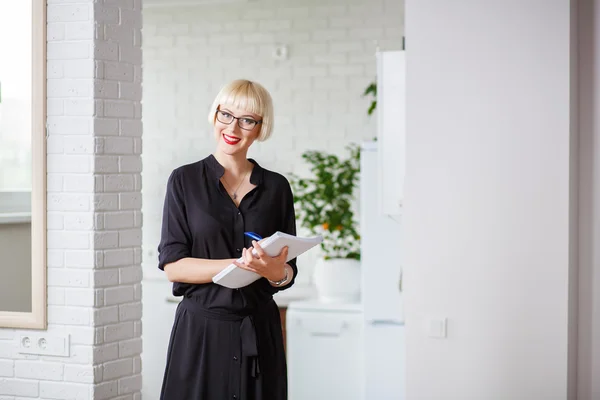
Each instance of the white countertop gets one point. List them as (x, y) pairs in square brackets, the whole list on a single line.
[(295, 293)]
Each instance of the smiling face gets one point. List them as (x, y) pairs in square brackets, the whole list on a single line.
[(241, 113), (235, 129)]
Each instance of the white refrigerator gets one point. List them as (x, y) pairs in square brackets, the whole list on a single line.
[(381, 268)]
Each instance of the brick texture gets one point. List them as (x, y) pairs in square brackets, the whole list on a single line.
[(190, 52), (117, 239), (94, 208)]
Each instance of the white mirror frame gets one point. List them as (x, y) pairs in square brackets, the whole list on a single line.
[(36, 319)]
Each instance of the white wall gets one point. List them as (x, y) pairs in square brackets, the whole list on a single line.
[(94, 210), (589, 201), (488, 198), (190, 52)]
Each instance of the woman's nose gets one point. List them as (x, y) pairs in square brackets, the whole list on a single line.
[(234, 127)]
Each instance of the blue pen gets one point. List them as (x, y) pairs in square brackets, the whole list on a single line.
[(253, 235)]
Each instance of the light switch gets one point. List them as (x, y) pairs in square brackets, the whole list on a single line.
[(436, 327)]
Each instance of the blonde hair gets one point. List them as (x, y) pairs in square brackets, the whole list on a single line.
[(249, 96)]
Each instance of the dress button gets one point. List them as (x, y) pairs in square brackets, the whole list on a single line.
[(235, 358), (235, 396), (238, 249)]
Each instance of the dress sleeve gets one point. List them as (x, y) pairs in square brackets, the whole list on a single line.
[(175, 240), (288, 226)]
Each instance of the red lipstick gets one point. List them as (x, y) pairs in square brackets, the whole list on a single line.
[(227, 140)]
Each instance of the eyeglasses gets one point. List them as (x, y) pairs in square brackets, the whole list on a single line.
[(245, 123)]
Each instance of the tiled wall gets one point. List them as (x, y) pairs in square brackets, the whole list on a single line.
[(189, 52)]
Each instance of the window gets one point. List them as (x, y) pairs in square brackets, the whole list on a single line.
[(15, 95), (22, 164)]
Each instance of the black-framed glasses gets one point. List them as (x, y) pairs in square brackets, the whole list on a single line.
[(245, 123)]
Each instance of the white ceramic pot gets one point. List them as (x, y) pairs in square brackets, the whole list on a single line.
[(337, 280)]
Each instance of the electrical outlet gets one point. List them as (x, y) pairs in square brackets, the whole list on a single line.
[(44, 345)]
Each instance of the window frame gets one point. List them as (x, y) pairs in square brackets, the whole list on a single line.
[(37, 318)]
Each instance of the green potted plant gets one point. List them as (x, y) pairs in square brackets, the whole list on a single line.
[(371, 91), (324, 205)]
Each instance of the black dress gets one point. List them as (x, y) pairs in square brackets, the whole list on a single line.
[(225, 343)]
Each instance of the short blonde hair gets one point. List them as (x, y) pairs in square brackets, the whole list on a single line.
[(249, 96)]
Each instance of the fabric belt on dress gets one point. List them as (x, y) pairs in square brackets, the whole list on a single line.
[(247, 329)]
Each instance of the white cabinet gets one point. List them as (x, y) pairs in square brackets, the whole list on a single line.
[(324, 351), (391, 129)]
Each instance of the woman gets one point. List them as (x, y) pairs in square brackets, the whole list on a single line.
[(225, 343)]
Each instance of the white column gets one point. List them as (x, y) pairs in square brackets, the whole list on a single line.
[(589, 201), (489, 199)]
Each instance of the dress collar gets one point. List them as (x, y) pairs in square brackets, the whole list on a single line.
[(256, 177)]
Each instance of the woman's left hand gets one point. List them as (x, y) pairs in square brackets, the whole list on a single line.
[(272, 268)]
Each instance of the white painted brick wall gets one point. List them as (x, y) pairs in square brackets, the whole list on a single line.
[(94, 209), (117, 167), (190, 52)]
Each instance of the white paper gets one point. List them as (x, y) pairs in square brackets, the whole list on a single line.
[(234, 277)]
